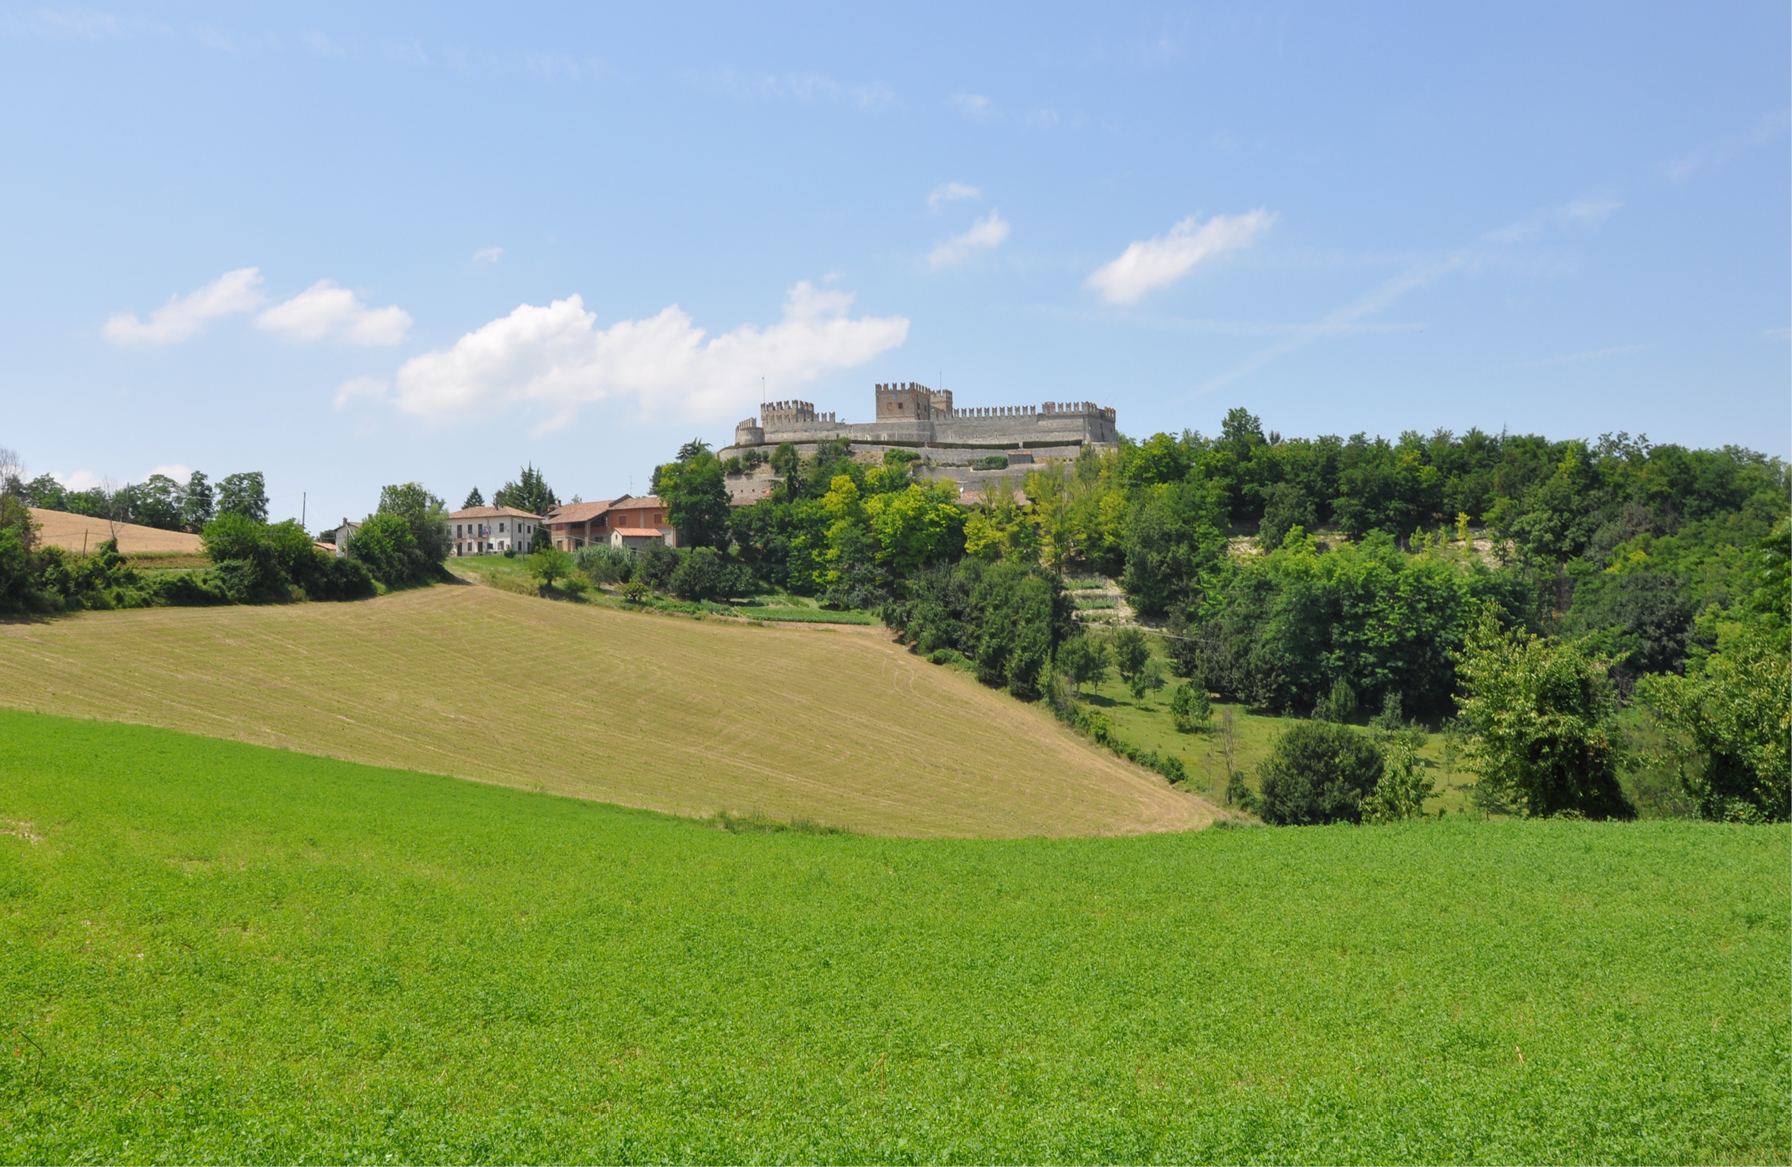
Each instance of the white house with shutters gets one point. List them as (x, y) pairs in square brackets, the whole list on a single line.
[(494, 530)]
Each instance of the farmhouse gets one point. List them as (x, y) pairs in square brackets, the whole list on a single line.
[(344, 533), (493, 530), (622, 522)]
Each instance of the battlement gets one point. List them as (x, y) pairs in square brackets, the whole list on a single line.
[(909, 413)]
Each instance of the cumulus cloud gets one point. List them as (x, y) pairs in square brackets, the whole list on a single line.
[(950, 192), (181, 317), (1149, 264), (325, 310), (173, 470), (986, 233), (556, 359)]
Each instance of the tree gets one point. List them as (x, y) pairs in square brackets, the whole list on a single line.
[(197, 506), (1338, 704), (1174, 537), (1190, 709), (244, 494), (387, 547), (475, 499), (703, 573), (1318, 772), (695, 491), (1131, 651), (530, 492), (1539, 714), (692, 450), (427, 517), (1402, 791), (550, 564), (1084, 659), (788, 464)]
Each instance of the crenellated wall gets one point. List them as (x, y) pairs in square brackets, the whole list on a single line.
[(911, 414)]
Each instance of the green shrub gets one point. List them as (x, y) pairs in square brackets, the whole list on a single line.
[(1190, 708), (1318, 772)]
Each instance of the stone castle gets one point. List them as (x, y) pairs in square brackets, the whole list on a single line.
[(912, 415), (959, 444)]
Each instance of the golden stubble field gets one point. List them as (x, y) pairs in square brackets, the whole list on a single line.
[(80, 534), (690, 717)]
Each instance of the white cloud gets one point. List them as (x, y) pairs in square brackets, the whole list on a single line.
[(181, 317), (974, 105), (488, 255), (79, 480), (556, 359), (173, 470), (324, 310), (950, 192), (1149, 264), (804, 87), (986, 233), (1765, 130)]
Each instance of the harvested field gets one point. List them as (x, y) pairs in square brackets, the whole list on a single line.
[(81, 534), (837, 725)]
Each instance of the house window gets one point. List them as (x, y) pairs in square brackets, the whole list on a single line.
[(500, 527)]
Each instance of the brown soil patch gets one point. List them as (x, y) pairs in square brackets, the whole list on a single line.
[(79, 533)]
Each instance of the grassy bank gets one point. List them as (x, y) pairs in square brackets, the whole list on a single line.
[(216, 951)]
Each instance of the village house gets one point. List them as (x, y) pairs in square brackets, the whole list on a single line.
[(343, 534), (621, 522), (493, 530)]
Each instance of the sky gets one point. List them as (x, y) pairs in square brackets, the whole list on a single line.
[(356, 245)]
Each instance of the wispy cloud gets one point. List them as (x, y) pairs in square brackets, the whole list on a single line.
[(323, 46), (182, 317), (1149, 264), (326, 311), (1598, 354), (1492, 247), (488, 255), (985, 234), (1777, 333), (950, 192), (557, 360), (91, 26), (372, 388), (805, 87), (1765, 130), (973, 105)]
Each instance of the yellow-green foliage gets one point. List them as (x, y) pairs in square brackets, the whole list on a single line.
[(219, 952)]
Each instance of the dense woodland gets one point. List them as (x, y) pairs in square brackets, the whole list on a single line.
[(1533, 590)]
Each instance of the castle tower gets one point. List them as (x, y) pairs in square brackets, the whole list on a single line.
[(904, 401)]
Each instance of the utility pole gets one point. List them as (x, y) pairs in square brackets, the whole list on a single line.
[(303, 498)]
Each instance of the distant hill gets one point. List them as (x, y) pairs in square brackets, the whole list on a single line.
[(689, 717), (82, 534)]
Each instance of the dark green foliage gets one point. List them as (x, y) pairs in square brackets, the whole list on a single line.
[(1338, 705), (703, 573), (530, 492), (1642, 619), (1279, 630), (604, 564), (406, 541), (1285, 506), (1131, 650), (1318, 772), (1174, 536), (244, 494), (992, 462), (1006, 618), (262, 563), (696, 497), (654, 565), (197, 506), (476, 499)]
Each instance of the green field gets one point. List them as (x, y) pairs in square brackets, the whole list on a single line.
[(220, 951)]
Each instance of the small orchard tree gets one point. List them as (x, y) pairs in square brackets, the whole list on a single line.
[(1402, 791), (1083, 659), (1131, 651), (1190, 709), (1539, 713), (550, 564)]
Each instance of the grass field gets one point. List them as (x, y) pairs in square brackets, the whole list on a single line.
[(220, 952), (81, 534), (666, 712)]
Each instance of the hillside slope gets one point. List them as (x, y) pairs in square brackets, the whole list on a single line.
[(220, 953), (666, 713), (79, 533)]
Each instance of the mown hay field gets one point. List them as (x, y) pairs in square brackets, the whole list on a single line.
[(81, 534), (215, 951), (664, 712)]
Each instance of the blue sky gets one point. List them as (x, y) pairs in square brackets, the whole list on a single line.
[(350, 247)]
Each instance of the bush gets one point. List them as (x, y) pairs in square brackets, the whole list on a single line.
[(1190, 708), (389, 550), (1402, 791), (1318, 772), (1083, 659), (604, 564), (703, 573)]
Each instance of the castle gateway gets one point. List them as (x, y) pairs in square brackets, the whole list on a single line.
[(912, 415)]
